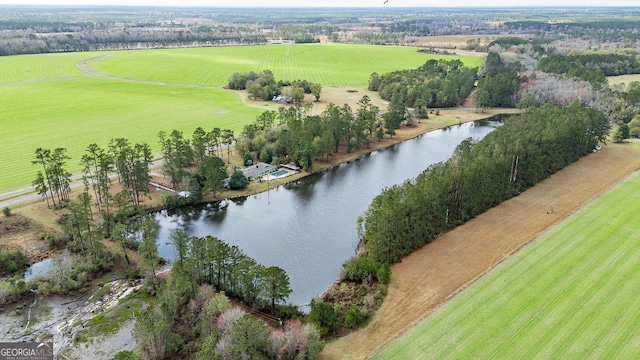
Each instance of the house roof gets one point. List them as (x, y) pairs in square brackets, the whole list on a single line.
[(258, 169)]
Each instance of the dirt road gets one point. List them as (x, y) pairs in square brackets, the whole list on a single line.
[(433, 274)]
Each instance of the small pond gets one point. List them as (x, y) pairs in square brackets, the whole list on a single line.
[(308, 227)]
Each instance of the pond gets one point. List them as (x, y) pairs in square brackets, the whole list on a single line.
[(308, 227), (37, 269)]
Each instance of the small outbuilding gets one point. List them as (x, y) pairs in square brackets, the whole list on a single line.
[(290, 167)]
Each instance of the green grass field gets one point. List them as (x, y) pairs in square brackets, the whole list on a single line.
[(572, 294), (622, 79), (49, 101)]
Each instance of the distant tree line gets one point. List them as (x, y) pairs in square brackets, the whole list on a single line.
[(437, 83), (300, 34), (41, 26), (44, 39), (525, 150), (603, 30), (590, 67)]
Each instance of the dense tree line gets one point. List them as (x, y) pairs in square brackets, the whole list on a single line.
[(551, 89), (292, 135), (437, 83), (90, 38), (209, 260), (500, 84), (590, 67), (206, 151), (539, 87), (602, 30), (514, 157), (300, 34), (192, 315), (206, 325)]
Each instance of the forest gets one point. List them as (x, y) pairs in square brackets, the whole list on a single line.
[(196, 313), (525, 150), (590, 67), (437, 83), (555, 71), (29, 30), (291, 134)]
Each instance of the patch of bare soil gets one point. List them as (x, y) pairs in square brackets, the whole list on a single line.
[(438, 271)]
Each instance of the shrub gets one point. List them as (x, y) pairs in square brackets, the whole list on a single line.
[(238, 181), (324, 316), (171, 200), (383, 274), (12, 260), (354, 317), (359, 269), (6, 211), (315, 344), (11, 290), (265, 156), (56, 241), (247, 159), (126, 355)]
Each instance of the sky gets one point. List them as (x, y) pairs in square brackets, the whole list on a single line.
[(328, 3)]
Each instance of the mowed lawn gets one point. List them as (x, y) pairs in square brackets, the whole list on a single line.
[(48, 101), (571, 294)]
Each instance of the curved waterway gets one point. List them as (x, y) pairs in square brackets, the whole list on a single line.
[(308, 228)]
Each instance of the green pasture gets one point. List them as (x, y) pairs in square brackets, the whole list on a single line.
[(77, 112), (572, 294), (623, 79), (328, 64), (42, 67), (49, 101)]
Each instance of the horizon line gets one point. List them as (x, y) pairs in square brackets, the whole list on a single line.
[(322, 7)]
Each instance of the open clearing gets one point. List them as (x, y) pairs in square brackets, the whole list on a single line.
[(622, 79), (433, 274), (459, 41), (52, 100)]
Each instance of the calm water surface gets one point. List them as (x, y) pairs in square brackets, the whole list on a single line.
[(308, 228)]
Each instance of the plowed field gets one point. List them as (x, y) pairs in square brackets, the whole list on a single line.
[(431, 275)]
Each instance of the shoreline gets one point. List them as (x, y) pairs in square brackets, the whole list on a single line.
[(433, 274), (446, 118), (34, 209)]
